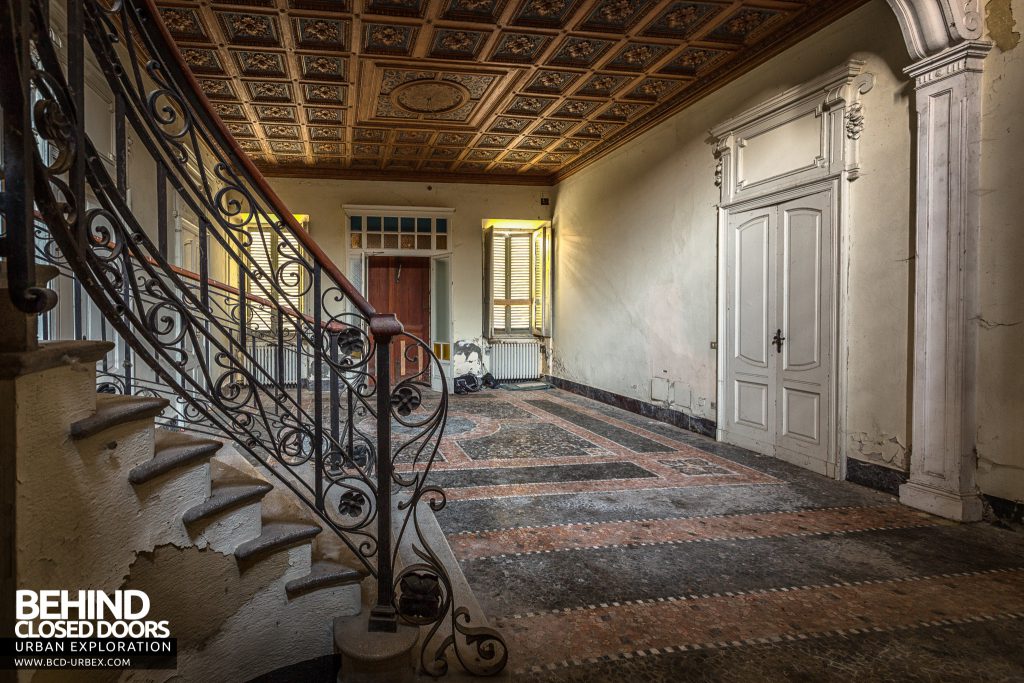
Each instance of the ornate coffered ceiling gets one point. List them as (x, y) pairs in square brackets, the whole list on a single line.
[(493, 90)]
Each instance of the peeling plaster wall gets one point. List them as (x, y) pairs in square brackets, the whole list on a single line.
[(1000, 441), (636, 243), (323, 199)]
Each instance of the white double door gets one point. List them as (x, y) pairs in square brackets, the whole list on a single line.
[(779, 331)]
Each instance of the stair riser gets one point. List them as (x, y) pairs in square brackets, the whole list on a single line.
[(225, 531)]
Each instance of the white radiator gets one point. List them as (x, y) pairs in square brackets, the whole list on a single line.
[(266, 357), (513, 361)]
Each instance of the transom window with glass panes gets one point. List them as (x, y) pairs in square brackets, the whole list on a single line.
[(420, 233), (518, 281)]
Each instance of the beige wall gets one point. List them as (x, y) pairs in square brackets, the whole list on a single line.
[(1001, 334), (636, 240), (323, 201)]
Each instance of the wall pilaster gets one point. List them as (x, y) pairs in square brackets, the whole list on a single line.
[(948, 128)]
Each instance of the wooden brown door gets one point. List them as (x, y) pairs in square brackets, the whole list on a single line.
[(401, 285)]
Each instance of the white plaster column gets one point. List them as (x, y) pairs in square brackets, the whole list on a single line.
[(944, 460)]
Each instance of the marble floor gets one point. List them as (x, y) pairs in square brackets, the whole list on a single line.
[(608, 547)]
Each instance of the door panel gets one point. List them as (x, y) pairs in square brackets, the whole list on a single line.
[(805, 297), (750, 389), (801, 288), (751, 303), (401, 285)]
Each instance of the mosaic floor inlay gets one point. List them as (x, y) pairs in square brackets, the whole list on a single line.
[(608, 548)]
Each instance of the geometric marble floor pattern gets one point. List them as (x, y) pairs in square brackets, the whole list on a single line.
[(610, 547)]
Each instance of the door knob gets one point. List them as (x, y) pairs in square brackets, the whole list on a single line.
[(777, 340)]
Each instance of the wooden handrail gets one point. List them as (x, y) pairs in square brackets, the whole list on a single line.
[(199, 100)]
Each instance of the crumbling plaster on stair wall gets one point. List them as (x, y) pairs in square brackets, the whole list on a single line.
[(1000, 394), (82, 525)]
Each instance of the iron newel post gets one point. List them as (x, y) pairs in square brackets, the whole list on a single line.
[(383, 617)]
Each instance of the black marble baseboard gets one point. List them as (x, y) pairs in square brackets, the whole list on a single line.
[(677, 418), (875, 476), (1006, 511)]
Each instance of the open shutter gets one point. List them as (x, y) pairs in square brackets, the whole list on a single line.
[(540, 300), (490, 267)]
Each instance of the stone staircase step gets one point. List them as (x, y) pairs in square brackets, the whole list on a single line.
[(113, 410), (225, 497), (274, 537), (173, 450), (325, 574)]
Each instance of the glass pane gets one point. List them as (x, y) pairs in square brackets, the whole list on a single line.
[(373, 223), (391, 241), (390, 224), (441, 225), (373, 241), (357, 240), (356, 223), (423, 241), (408, 224), (442, 242), (408, 241), (422, 225)]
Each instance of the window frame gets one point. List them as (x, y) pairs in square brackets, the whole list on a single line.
[(538, 271)]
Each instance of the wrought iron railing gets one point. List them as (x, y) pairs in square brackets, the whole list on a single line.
[(289, 360)]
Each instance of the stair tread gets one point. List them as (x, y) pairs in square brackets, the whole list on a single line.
[(225, 497), (112, 410), (325, 574), (276, 536), (171, 450)]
